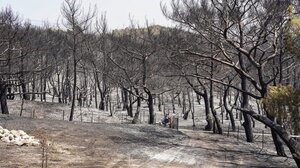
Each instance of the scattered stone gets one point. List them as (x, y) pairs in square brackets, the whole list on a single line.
[(5, 139), (15, 133), (19, 143), (22, 133), (10, 137), (5, 131)]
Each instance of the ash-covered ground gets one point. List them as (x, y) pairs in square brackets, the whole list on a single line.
[(105, 141)]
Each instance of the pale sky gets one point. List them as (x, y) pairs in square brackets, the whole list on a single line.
[(117, 11)]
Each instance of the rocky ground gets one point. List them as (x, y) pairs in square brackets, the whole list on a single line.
[(109, 141)]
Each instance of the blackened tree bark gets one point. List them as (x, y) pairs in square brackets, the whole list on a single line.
[(209, 120), (229, 111), (279, 146), (150, 106), (25, 96), (77, 22), (130, 106), (247, 120), (74, 80), (203, 93), (138, 107), (44, 87), (103, 89), (59, 88), (125, 100), (95, 89), (159, 102), (292, 143), (33, 88), (184, 109), (217, 124), (3, 97), (189, 109)]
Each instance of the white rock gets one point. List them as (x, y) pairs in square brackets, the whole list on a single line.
[(10, 137), (29, 138), (15, 133), (17, 139), (35, 143), (6, 131), (19, 143), (25, 140), (5, 139), (25, 137), (1, 128), (22, 133), (5, 134)]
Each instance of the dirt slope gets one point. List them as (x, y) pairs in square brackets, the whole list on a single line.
[(75, 144)]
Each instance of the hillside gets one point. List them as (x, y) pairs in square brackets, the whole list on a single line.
[(79, 144)]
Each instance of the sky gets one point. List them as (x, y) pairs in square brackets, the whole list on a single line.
[(117, 12)]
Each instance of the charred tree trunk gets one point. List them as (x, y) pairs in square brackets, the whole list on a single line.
[(138, 108), (245, 98), (74, 78), (68, 84), (229, 111), (73, 92), (44, 89), (110, 105), (124, 95), (159, 103), (95, 90), (179, 101), (193, 110), (130, 107), (41, 86), (209, 121), (33, 88), (186, 114), (125, 101), (102, 92), (118, 99), (59, 88), (247, 120), (150, 106), (198, 99), (107, 101), (217, 124), (173, 103), (291, 143), (277, 140), (245, 104), (3, 97), (25, 96), (184, 106), (102, 101)]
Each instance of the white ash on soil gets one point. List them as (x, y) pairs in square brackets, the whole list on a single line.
[(17, 137)]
